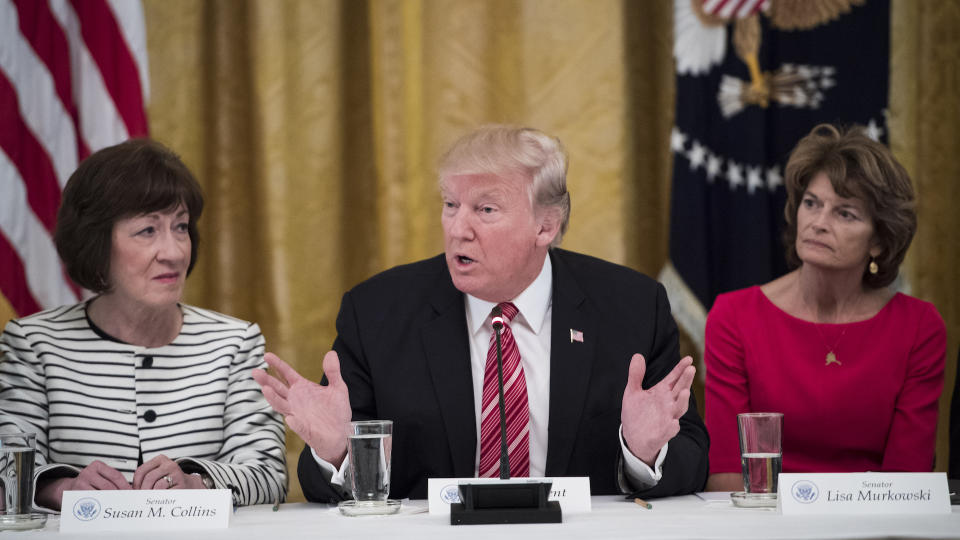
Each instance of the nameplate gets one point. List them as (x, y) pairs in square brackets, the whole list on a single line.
[(863, 493), (572, 492), (141, 510)]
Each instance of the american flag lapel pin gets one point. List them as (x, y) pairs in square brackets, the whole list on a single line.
[(576, 335)]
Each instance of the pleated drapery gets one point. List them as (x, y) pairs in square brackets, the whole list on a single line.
[(314, 127)]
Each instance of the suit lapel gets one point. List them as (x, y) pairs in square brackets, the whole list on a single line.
[(571, 364), (448, 359)]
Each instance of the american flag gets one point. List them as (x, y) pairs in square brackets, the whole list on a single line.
[(734, 8), (73, 80)]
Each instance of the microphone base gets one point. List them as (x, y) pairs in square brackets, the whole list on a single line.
[(489, 503)]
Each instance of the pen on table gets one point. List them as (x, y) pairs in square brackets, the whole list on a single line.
[(276, 505), (643, 503)]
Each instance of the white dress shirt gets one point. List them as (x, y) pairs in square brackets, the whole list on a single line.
[(531, 330)]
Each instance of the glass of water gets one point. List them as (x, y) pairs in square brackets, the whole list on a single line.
[(761, 456), (17, 451), (369, 445)]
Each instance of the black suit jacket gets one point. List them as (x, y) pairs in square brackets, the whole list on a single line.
[(404, 355)]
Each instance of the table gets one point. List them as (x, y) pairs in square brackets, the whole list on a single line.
[(612, 517)]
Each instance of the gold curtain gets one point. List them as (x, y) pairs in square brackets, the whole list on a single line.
[(925, 135), (314, 126)]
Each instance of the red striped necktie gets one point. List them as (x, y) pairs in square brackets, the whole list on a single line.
[(515, 404)]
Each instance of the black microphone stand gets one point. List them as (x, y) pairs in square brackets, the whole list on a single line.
[(504, 453), (504, 501)]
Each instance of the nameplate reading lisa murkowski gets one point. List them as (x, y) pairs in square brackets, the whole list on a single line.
[(139, 510), (863, 493)]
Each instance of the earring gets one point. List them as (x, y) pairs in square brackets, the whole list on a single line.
[(873, 266)]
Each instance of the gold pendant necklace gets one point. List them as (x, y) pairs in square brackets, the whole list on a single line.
[(831, 357)]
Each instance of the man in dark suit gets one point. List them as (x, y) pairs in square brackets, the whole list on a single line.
[(607, 395)]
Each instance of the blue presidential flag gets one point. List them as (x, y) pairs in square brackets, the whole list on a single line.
[(753, 77)]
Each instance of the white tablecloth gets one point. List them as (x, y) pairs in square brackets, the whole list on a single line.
[(611, 518)]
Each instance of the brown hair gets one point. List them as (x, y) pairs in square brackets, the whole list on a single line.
[(129, 179), (858, 167)]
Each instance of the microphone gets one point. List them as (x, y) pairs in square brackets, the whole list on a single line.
[(504, 454), (520, 501)]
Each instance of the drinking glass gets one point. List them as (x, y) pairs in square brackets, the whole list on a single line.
[(761, 456), (368, 476), (17, 451)]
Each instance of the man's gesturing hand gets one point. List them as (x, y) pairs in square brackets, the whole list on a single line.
[(651, 417), (320, 415)]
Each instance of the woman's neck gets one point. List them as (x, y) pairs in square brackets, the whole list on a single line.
[(136, 324), (835, 297)]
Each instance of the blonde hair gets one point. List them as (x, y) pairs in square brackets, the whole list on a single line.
[(503, 149)]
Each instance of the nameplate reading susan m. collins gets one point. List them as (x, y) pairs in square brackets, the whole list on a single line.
[(145, 510), (863, 493)]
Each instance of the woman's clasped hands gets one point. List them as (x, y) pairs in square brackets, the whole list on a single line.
[(160, 472)]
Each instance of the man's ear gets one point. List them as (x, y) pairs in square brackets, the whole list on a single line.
[(548, 226)]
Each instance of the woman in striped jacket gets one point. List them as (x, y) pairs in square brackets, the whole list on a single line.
[(132, 389)]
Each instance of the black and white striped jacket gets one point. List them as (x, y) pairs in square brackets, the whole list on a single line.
[(88, 397)]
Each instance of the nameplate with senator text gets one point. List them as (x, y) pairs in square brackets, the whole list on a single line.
[(572, 492), (142, 510), (863, 493)]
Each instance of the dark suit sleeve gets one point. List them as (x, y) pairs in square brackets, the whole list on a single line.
[(315, 486), (685, 467), (955, 425), (355, 374)]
